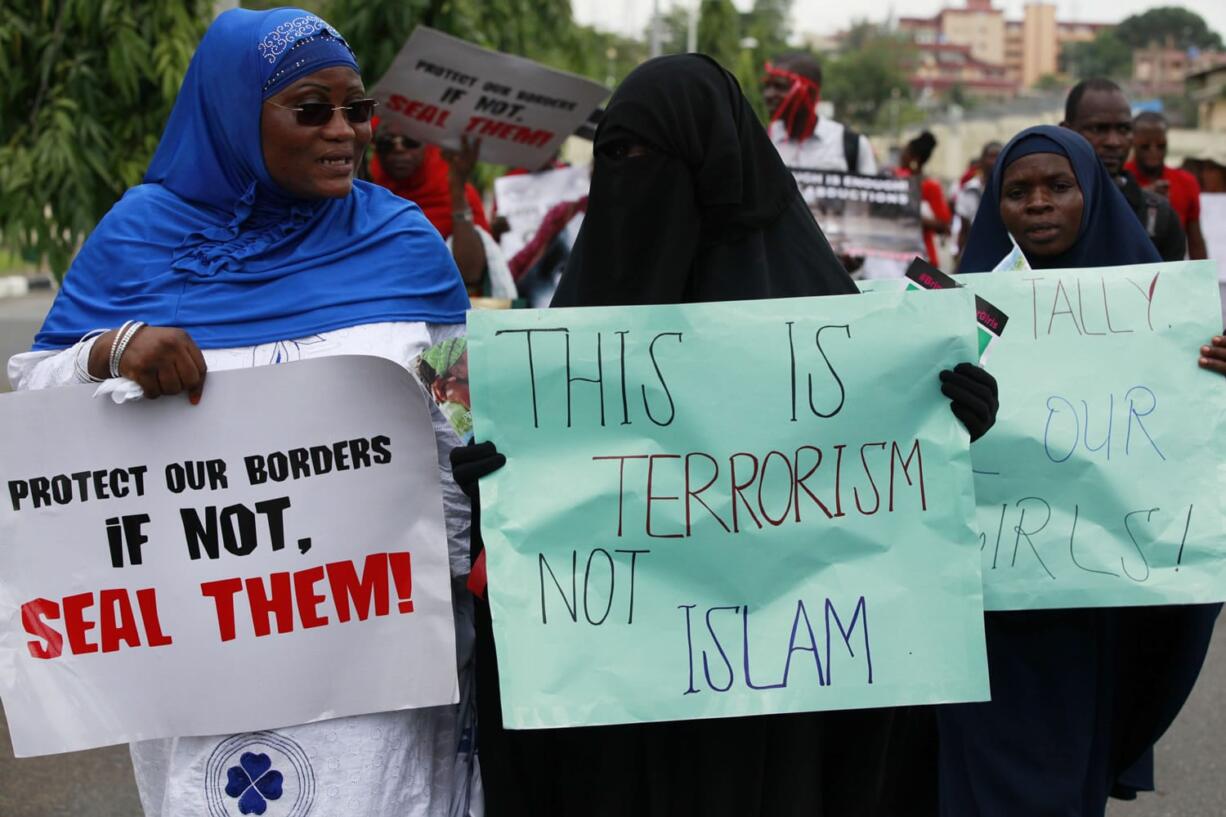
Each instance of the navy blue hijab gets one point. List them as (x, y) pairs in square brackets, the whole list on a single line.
[(1110, 234), (211, 244)]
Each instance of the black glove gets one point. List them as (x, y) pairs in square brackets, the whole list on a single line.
[(973, 397), (471, 462)]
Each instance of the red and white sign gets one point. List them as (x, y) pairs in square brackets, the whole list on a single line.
[(275, 555), (440, 87)]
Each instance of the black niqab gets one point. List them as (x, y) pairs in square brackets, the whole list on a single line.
[(710, 213)]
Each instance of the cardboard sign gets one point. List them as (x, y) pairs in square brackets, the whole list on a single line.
[(723, 509), (1101, 483), (865, 215), (275, 555), (440, 87), (524, 200)]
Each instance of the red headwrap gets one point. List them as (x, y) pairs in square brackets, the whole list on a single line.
[(798, 111), (430, 190)]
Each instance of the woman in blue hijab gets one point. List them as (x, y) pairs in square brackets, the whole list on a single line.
[(1078, 695), (250, 243)]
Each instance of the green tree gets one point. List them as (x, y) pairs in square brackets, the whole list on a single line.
[(719, 32), (1186, 29), (867, 81), (85, 89), (1104, 56)]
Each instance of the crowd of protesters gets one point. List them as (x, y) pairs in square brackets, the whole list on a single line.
[(253, 191)]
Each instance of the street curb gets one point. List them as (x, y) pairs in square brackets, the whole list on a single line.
[(15, 286)]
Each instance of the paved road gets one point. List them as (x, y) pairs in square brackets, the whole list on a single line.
[(1191, 760), (19, 320)]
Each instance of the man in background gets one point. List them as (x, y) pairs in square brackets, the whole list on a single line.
[(1099, 111), (966, 203), (791, 89), (1149, 167)]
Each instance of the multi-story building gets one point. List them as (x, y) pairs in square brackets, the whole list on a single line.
[(1027, 49), (942, 67), (1162, 70)]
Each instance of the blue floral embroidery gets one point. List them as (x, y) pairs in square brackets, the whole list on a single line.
[(253, 782)]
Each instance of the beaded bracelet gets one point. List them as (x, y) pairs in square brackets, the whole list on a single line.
[(122, 339)]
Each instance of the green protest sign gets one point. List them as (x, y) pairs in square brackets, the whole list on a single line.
[(728, 509), (1102, 482)]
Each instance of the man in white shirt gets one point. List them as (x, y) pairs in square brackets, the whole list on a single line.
[(791, 90)]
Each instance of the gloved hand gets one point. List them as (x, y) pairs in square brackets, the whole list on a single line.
[(471, 462), (468, 464), (973, 397)]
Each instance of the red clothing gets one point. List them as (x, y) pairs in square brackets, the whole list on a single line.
[(1184, 190), (931, 192), (430, 189)]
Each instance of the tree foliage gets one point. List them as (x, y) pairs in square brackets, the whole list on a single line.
[(85, 88), (867, 80), (1184, 28)]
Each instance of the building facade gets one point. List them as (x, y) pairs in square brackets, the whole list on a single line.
[(1025, 50)]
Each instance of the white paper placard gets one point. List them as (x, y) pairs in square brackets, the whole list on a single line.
[(275, 555), (524, 200), (440, 87)]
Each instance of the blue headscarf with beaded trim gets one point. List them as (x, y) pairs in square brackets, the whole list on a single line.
[(211, 244)]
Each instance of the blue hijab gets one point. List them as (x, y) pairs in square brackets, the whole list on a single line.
[(211, 244), (1110, 233)]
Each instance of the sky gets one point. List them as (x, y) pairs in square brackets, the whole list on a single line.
[(826, 17)]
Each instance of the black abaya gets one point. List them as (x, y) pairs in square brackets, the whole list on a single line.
[(708, 213)]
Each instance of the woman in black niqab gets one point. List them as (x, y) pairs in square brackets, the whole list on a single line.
[(691, 202)]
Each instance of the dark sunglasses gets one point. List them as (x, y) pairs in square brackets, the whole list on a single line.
[(314, 114), (391, 141)]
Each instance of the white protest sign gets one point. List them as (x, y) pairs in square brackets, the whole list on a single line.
[(524, 200), (440, 87), (284, 537)]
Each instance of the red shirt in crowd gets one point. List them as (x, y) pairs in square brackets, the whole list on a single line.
[(931, 192), (1184, 191)]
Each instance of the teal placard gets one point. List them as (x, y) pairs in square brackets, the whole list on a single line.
[(1103, 481), (728, 509)]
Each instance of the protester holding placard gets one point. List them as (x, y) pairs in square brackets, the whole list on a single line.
[(437, 181), (1078, 695), (248, 244), (691, 203)]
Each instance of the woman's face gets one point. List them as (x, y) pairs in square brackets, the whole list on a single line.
[(1041, 204), (315, 162), (400, 155)]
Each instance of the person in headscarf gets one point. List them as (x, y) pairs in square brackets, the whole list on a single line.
[(437, 181), (249, 243), (691, 203), (1078, 695)]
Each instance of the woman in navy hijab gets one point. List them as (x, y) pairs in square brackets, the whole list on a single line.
[(1078, 695), (248, 244)]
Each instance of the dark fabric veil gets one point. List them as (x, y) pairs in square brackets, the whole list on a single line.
[(709, 214), (1110, 234), (1078, 696)]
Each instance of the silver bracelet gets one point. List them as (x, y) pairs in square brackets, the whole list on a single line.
[(112, 364), (82, 369), (122, 340)]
